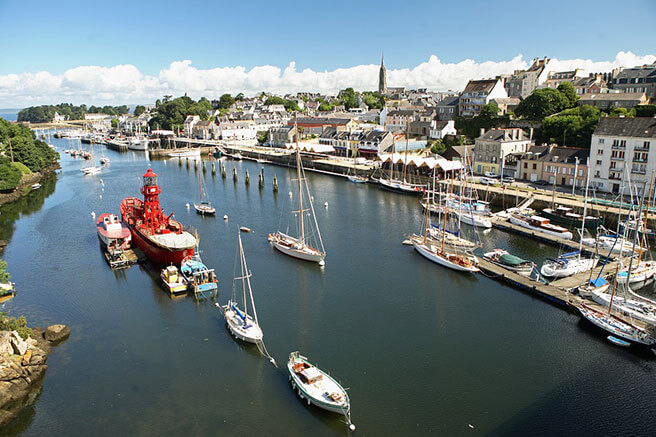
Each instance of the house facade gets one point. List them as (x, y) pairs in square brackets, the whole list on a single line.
[(492, 146), (189, 124), (637, 80), (523, 82), (478, 93), (237, 130), (398, 119), (447, 108), (621, 145), (562, 166), (613, 100), (439, 129), (314, 126), (279, 136), (555, 78)]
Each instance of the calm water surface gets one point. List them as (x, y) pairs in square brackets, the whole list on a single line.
[(423, 349)]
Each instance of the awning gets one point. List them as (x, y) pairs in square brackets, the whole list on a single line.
[(418, 161), (312, 147)]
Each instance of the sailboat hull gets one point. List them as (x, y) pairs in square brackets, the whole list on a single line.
[(442, 260), (401, 187), (629, 307), (292, 247), (616, 327), (250, 333)]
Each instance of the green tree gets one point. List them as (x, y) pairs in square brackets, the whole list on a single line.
[(542, 103), (239, 97), (291, 106), (226, 101), (138, 110), (274, 100), (437, 147), (617, 112), (4, 275), (115, 123), (10, 175), (568, 90), (645, 110), (572, 127), (349, 98), (325, 106)]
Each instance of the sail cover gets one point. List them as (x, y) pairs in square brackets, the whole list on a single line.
[(511, 260)]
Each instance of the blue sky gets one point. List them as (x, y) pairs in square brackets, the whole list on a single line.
[(121, 52), (58, 35)]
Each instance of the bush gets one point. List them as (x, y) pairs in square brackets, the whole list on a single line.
[(22, 167), (10, 175), (13, 324)]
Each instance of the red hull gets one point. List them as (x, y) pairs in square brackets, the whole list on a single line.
[(158, 254)]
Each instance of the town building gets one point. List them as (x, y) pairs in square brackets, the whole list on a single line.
[(462, 153), (189, 123), (492, 146), (439, 129), (507, 104), (237, 130), (447, 108), (637, 80), (398, 119), (279, 136), (314, 126), (523, 82), (478, 93), (560, 166), (555, 78), (621, 145), (364, 143), (613, 100), (593, 84)]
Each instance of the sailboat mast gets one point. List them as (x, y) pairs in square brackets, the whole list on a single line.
[(585, 205), (300, 185), (644, 234), (248, 280), (635, 236), (243, 274), (405, 159), (444, 219)]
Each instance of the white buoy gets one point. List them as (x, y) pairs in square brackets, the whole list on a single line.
[(102, 182), (325, 205), (100, 196), (290, 194), (311, 198), (352, 427), (322, 263), (225, 217), (102, 189), (187, 205), (93, 214)]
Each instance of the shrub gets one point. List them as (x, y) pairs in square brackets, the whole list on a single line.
[(13, 324)]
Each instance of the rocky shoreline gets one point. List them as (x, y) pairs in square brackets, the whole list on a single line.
[(23, 367), (26, 184)]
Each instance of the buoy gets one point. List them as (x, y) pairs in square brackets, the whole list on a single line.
[(245, 229), (102, 189), (247, 179), (100, 196), (352, 427), (311, 198), (325, 204), (225, 217), (102, 183), (187, 205), (93, 214), (322, 263), (290, 194), (275, 183)]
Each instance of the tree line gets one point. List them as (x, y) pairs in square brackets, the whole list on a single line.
[(46, 113), (29, 154)]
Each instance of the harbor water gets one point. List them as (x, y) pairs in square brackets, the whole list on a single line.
[(422, 349)]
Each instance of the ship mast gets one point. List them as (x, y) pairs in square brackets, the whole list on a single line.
[(405, 159), (300, 185)]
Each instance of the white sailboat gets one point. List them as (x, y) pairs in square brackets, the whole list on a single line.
[(571, 263), (243, 326), (204, 206), (355, 178), (299, 247), (91, 169)]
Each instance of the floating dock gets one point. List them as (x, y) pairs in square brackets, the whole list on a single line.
[(125, 259)]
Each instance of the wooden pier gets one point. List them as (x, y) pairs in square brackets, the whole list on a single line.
[(504, 224)]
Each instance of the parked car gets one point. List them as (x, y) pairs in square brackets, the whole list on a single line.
[(491, 174), (486, 181), (508, 180), (541, 182)]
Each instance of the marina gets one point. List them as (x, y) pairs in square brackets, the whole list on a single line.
[(355, 225)]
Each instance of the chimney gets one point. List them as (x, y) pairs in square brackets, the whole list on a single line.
[(530, 134), (482, 132)]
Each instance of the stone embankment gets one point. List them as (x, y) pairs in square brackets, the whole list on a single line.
[(23, 367)]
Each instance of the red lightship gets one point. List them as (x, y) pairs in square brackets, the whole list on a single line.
[(163, 239)]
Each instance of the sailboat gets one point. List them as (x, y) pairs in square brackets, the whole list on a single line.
[(437, 253), (92, 169), (355, 178), (243, 326), (298, 247), (571, 263), (204, 207), (616, 327)]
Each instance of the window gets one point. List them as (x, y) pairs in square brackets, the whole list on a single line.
[(601, 141), (535, 166), (526, 165), (645, 145), (600, 151), (598, 163)]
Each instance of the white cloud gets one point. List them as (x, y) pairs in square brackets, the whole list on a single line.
[(126, 84)]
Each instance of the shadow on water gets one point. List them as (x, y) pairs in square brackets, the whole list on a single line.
[(25, 206)]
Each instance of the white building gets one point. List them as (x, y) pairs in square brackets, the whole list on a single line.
[(189, 124), (439, 129), (478, 93), (238, 130), (621, 145)]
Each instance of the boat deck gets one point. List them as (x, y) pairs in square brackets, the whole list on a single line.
[(125, 259)]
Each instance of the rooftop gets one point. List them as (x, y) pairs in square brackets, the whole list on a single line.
[(641, 127)]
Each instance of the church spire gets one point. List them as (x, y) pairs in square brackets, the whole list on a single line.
[(382, 76)]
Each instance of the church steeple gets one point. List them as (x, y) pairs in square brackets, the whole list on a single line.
[(382, 77)]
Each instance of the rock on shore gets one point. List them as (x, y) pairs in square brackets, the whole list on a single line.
[(23, 366)]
